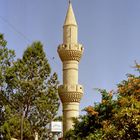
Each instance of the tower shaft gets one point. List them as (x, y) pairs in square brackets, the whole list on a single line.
[(70, 72), (70, 53)]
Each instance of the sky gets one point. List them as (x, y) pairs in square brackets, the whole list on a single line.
[(108, 29)]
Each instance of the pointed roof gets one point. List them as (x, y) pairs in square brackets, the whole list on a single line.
[(70, 17)]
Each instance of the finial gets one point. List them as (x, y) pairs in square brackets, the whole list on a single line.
[(70, 17)]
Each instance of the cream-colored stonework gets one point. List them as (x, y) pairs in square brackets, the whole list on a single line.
[(70, 53), (70, 110)]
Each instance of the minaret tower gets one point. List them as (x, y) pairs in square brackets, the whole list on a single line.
[(70, 53)]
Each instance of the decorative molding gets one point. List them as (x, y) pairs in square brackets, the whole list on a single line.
[(70, 69), (70, 93), (70, 52), (70, 88), (67, 110), (70, 96), (67, 55)]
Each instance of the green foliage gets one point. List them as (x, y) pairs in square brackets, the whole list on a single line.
[(36, 95), (6, 62), (112, 119), (31, 93), (2, 41)]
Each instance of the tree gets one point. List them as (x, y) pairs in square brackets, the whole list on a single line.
[(6, 62), (115, 118), (33, 93)]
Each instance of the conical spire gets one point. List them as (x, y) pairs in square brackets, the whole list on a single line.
[(70, 17)]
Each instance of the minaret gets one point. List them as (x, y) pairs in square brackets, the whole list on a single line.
[(70, 53)]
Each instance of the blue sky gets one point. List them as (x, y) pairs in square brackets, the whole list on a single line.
[(108, 29)]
